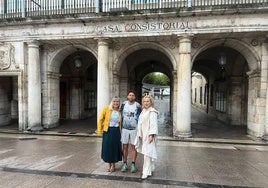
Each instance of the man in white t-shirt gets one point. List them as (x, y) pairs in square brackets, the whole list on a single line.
[(130, 112)]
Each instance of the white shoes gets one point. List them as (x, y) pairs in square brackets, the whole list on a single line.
[(144, 176)]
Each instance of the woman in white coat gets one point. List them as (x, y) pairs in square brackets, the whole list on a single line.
[(147, 131)]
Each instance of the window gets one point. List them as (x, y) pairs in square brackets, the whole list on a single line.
[(220, 101), (90, 100), (194, 95), (205, 94), (201, 95), (211, 95)]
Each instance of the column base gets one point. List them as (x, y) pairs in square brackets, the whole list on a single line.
[(36, 128), (183, 135)]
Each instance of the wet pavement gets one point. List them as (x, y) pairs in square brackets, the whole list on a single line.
[(68, 161), (218, 155)]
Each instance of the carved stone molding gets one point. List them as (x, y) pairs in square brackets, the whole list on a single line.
[(7, 56), (195, 44), (254, 74), (53, 75), (50, 48), (117, 47), (172, 44), (254, 42)]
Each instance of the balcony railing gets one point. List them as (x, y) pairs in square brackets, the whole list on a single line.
[(37, 8)]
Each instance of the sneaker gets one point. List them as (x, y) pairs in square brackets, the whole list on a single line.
[(133, 168), (124, 167)]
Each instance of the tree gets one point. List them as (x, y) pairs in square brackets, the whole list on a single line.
[(156, 78)]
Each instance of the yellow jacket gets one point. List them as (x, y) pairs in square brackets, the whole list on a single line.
[(104, 120)]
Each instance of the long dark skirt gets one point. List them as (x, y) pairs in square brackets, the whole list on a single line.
[(111, 151)]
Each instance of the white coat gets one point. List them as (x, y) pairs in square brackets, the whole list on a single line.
[(147, 125)]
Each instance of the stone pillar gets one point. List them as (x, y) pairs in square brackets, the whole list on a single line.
[(255, 104), (103, 82), (173, 97), (236, 112), (34, 87), (116, 77), (51, 100), (265, 74), (75, 96), (183, 112)]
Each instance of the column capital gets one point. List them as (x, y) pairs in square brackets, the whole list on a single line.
[(103, 41), (185, 37), (185, 42), (33, 43)]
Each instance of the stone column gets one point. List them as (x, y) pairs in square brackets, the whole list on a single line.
[(75, 96), (51, 100), (173, 97), (255, 104), (34, 87), (183, 112), (236, 112), (116, 78), (103, 82), (265, 73)]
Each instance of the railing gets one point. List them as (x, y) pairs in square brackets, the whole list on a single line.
[(37, 8)]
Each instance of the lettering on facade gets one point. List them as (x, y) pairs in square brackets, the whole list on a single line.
[(138, 27), (156, 26)]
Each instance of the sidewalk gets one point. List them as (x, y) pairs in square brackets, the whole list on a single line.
[(43, 161), (217, 155)]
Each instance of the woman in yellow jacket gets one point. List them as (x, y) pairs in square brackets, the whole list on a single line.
[(109, 127)]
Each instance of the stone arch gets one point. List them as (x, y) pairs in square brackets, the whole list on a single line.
[(144, 45), (249, 53), (52, 88), (62, 53), (243, 101)]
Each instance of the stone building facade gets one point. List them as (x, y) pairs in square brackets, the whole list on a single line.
[(70, 67)]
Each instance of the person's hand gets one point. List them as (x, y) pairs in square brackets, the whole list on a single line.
[(150, 138)]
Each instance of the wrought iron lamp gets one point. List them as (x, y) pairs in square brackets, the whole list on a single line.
[(222, 59), (77, 61), (222, 63)]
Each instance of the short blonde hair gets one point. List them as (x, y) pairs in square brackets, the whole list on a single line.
[(150, 98), (114, 99)]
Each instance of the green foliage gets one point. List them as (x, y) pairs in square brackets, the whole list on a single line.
[(156, 79)]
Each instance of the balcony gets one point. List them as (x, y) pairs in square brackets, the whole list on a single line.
[(35, 9)]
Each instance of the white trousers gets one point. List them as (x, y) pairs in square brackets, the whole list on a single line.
[(148, 166)]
